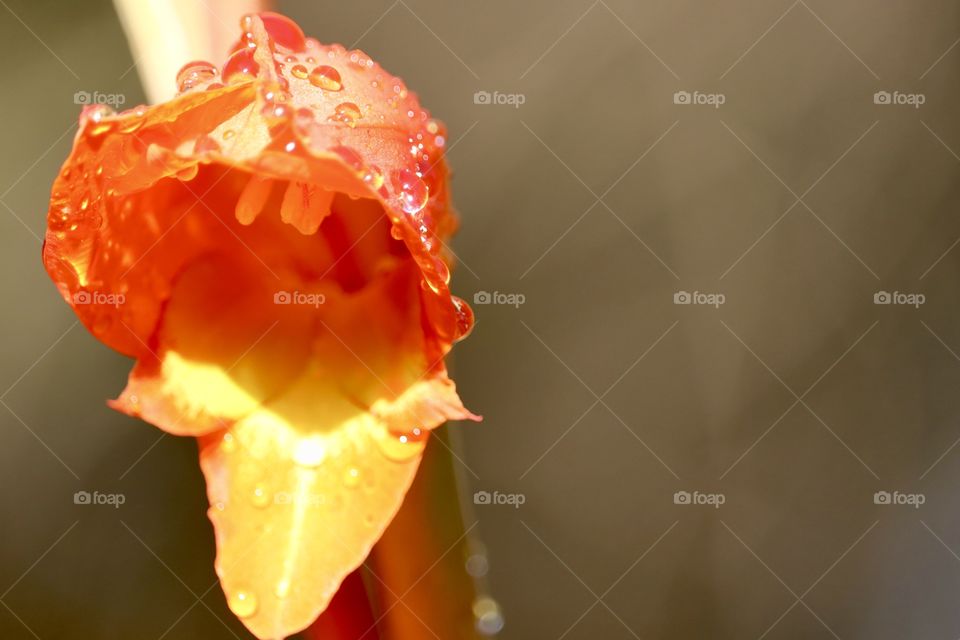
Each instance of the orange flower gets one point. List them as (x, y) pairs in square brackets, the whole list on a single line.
[(269, 247)]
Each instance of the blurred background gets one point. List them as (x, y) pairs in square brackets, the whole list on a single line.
[(713, 254)]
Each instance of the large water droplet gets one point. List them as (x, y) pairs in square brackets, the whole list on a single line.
[(284, 31), (411, 190), (194, 73), (240, 67), (327, 78), (243, 603)]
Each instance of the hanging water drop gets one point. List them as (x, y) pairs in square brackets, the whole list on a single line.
[(243, 603), (411, 190)]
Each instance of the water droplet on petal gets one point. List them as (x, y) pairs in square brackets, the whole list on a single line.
[(464, 317), (411, 190), (299, 71), (260, 497), (240, 67), (284, 31), (347, 113), (403, 447), (194, 73), (351, 479), (327, 78), (243, 603), (373, 177)]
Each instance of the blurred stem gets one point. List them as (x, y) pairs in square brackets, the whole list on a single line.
[(416, 582), (421, 582), (164, 35)]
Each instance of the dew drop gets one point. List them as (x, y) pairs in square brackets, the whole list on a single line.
[(327, 78), (284, 31), (299, 71), (351, 479), (243, 603), (260, 497), (194, 73), (464, 317), (240, 67), (373, 177), (401, 448), (411, 189)]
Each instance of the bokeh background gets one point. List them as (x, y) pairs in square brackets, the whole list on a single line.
[(595, 203)]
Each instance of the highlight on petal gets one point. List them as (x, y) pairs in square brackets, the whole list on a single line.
[(276, 235)]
